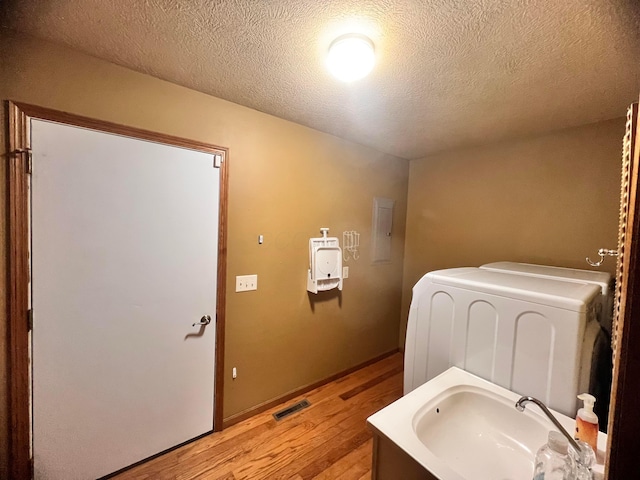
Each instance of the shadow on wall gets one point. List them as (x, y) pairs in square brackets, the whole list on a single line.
[(323, 297)]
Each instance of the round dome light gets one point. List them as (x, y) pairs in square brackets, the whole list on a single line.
[(351, 57)]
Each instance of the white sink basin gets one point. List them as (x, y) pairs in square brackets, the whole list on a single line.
[(460, 427), (480, 435)]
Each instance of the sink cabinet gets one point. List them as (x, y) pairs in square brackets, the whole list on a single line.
[(390, 462)]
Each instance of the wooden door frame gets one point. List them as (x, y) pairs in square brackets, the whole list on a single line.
[(624, 419), (19, 156)]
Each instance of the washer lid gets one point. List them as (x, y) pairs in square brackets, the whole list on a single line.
[(554, 292), (602, 279)]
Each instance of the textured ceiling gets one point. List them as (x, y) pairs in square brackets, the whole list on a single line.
[(449, 73)]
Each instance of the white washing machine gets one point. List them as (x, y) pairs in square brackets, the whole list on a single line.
[(602, 357), (603, 280), (532, 335)]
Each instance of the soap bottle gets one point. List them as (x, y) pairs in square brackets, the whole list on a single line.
[(553, 461), (587, 422)]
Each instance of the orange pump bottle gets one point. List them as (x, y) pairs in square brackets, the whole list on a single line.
[(587, 422)]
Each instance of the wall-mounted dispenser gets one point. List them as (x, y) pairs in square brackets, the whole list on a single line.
[(325, 263)]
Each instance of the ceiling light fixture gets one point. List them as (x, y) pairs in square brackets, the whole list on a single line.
[(351, 57)]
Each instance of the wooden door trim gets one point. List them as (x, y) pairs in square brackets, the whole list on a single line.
[(624, 421), (42, 113), (20, 465), (20, 114)]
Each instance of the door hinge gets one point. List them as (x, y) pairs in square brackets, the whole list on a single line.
[(29, 161), (218, 158), (28, 158), (30, 319)]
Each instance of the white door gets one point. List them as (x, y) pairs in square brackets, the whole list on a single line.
[(124, 261)]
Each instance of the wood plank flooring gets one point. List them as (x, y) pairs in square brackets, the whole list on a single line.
[(328, 440)]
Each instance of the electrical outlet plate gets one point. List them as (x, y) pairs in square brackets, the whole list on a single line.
[(345, 272), (245, 283)]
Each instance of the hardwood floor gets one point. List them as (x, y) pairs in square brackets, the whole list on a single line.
[(329, 440)]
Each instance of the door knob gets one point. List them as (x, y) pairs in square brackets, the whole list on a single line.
[(205, 320)]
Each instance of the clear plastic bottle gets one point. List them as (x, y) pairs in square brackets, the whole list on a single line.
[(584, 459), (553, 461)]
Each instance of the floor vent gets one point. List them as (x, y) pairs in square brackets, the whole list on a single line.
[(290, 410)]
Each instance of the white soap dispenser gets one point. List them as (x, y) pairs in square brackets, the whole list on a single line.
[(587, 422)]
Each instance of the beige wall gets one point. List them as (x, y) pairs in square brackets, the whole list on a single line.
[(551, 199), (286, 181)]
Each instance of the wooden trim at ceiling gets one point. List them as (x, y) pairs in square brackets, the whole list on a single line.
[(244, 415), (624, 420), (20, 114)]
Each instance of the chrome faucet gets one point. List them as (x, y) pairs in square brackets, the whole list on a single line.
[(520, 404)]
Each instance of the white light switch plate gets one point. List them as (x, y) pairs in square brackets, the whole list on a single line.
[(244, 283), (345, 272)]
